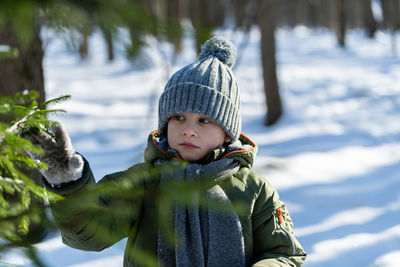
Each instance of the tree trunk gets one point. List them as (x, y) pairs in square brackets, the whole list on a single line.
[(200, 20), (84, 45), (24, 72), (108, 38), (266, 22), (301, 15), (341, 22), (368, 18), (18, 74), (390, 11), (175, 13), (391, 20), (136, 42), (239, 12)]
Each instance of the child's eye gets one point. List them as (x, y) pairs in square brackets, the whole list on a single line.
[(205, 120), (178, 117)]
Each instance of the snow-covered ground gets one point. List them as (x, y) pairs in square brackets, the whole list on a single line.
[(334, 156)]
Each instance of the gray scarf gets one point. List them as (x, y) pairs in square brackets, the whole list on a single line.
[(204, 236)]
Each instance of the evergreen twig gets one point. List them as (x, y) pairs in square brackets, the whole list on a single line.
[(17, 190)]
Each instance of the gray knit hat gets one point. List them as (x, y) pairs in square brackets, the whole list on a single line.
[(206, 87)]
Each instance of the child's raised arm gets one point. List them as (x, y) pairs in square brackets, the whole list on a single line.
[(63, 163), (91, 216)]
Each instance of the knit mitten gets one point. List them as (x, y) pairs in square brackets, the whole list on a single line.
[(64, 164)]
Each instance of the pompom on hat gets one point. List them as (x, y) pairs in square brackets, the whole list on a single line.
[(220, 48), (206, 87)]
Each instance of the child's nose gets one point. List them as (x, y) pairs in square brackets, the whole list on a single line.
[(189, 131)]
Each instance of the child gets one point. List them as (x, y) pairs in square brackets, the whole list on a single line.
[(199, 122)]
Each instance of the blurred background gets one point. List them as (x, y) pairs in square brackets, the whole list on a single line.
[(320, 89)]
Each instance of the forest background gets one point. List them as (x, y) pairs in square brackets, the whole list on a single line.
[(23, 23)]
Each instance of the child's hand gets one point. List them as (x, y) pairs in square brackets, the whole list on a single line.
[(64, 164)]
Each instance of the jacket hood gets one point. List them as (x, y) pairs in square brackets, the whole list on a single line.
[(243, 150)]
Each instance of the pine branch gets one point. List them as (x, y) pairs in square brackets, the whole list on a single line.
[(17, 190), (57, 100), (14, 128), (11, 180)]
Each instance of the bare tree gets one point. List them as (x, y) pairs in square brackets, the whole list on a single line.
[(340, 21), (24, 72), (268, 9), (198, 16), (368, 18), (176, 10), (108, 38), (391, 20)]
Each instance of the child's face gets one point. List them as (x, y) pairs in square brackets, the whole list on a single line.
[(194, 136)]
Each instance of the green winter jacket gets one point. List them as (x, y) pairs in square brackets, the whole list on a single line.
[(266, 224)]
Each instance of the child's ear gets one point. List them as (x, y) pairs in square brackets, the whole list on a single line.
[(227, 139)]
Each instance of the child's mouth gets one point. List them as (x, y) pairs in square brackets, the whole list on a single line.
[(188, 145)]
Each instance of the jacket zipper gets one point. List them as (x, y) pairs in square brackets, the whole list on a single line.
[(281, 221)]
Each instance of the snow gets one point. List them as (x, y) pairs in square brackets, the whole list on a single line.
[(389, 260), (334, 156)]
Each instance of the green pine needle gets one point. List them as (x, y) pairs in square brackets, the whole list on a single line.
[(17, 190), (57, 100)]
